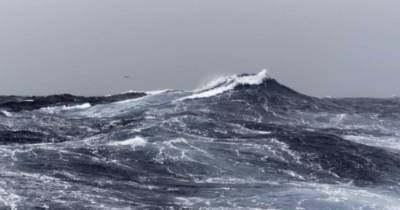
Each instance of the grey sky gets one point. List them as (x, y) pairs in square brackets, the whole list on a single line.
[(338, 48)]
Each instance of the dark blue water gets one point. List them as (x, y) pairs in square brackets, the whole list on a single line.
[(242, 142)]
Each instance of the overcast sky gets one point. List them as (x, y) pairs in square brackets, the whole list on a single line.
[(337, 48)]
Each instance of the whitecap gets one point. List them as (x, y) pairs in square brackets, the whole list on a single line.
[(149, 92), (224, 84), (263, 132), (392, 142), (135, 142), (157, 92), (56, 109), (6, 113)]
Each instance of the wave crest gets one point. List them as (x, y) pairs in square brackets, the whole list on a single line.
[(224, 84)]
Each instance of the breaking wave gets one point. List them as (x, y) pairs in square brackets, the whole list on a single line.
[(224, 84)]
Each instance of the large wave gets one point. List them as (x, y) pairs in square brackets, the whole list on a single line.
[(241, 142)]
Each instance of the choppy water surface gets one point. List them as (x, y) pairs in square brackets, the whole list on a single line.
[(242, 142)]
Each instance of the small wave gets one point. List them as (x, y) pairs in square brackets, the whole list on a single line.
[(224, 84)]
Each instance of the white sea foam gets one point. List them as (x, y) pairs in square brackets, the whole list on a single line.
[(9, 199), (82, 106), (223, 84), (135, 142), (7, 114), (263, 132), (149, 92), (157, 92), (346, 194), (392, 142), (56, 109)]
